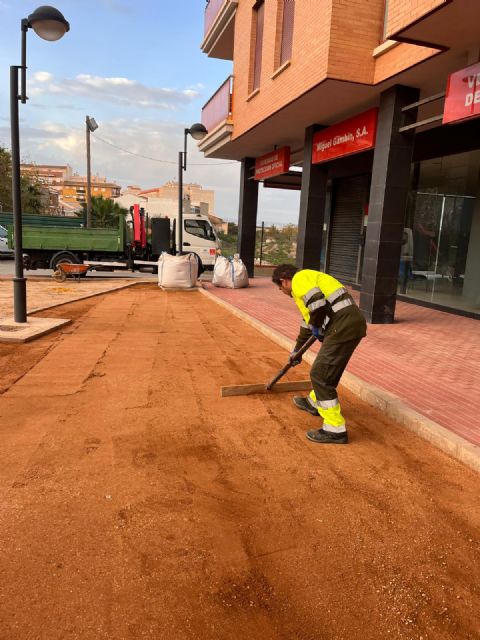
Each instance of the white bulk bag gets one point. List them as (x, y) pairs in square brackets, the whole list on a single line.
[(231, 274), (177, 272)]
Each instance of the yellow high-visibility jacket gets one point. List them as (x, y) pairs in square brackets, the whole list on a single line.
[(325, 304)]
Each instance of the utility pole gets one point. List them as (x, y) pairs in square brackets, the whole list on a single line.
[(91, 125), (89, 180)]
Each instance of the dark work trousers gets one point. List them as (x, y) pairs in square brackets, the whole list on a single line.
[(329, 365)]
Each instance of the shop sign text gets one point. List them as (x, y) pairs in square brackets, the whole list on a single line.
[(463, 95), (345, 138), (272, 164)]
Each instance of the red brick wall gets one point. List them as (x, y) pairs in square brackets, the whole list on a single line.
[(331, 39), (402, 13), (309, 59), (401, 57)]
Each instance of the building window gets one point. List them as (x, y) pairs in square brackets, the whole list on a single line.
[(287, 31), (258, 21)]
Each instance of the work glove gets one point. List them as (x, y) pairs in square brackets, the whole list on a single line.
[(294, 359)]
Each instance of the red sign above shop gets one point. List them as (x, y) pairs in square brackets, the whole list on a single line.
[(463, 95), (272, 164), (350, 136)]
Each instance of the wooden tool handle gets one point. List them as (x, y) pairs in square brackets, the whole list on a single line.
[(288, 366)]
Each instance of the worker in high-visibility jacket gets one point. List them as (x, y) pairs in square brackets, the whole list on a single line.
[(330, 313)]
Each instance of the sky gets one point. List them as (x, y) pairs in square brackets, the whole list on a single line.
[(137, 68)]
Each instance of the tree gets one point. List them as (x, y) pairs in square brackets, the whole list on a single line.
[(105, 212), (30, 188), (33, 197), (5, 180)]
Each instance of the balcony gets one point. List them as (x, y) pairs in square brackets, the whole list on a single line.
[(219, 29), (217, 118), (450, 24)]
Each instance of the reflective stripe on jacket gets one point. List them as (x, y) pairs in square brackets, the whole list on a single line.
[(325, 303), (314, 291)]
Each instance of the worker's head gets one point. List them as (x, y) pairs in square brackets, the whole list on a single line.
[(282, 277)]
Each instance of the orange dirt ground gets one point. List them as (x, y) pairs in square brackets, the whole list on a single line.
[(138, 503)]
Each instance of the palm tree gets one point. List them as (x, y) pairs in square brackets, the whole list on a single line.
[(105, 212)]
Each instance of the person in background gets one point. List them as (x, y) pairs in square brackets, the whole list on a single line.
[(329, 313)]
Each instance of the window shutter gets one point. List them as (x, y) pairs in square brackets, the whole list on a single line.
[(260, 11), (287, 30)]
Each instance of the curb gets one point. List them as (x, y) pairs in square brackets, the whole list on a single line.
[(88, 295), (386, 402)]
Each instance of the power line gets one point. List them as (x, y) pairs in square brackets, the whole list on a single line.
[(139, 155)]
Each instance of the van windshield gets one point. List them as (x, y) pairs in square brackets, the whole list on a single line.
[(199, 228)]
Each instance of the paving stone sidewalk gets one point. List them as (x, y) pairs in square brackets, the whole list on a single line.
[(45, 292), (427, 358)]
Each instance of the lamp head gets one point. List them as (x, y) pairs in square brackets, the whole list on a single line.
[(197, 131), (91, 124), (48, 23)]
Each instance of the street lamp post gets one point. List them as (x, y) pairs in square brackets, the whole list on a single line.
[(198, 132), (49, 24), (91, 125)]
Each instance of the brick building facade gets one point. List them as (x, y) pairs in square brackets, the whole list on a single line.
[(400, 216)]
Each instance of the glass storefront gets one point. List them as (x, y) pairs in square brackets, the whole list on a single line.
[(441, 250)]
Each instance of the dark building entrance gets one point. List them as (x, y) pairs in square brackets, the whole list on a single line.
[(349, 205)]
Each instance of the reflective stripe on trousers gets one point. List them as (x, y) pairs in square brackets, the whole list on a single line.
[(331, 413)]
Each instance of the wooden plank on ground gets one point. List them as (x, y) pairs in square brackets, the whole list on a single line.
[(247, 389)]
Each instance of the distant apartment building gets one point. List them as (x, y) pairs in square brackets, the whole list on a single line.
[(71, 188), (372, 111), (218, 224), (169, 193), (74, 190), (163, 201), (52, 175)]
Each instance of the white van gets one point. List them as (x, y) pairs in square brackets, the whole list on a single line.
[(199, 237)]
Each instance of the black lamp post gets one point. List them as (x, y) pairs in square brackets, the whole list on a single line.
[(198, 132), (49, 24)]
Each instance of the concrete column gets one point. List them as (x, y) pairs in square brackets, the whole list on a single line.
[(312, 206), (247, 214), (388, 200)]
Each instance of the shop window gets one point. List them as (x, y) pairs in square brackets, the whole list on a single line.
[(258, 24), (287, 31), (440, 257)]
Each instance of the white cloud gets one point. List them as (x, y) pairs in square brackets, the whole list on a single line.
[(115, 90), (42, 76)]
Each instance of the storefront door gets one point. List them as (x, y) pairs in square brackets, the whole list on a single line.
[(440, 229), (344, 259)]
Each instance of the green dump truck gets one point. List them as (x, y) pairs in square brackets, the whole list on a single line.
[(49, 240)]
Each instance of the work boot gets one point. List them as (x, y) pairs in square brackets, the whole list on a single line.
[(305, 405), (327, 437)]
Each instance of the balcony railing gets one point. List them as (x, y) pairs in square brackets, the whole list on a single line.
[(219, 108), (219, 29), (211, 12)]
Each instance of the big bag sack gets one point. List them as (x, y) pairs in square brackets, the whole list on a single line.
[(231, 274), (177, 272)]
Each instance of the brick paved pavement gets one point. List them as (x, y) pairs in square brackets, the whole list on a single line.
[(429, 359), (45, 292)]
